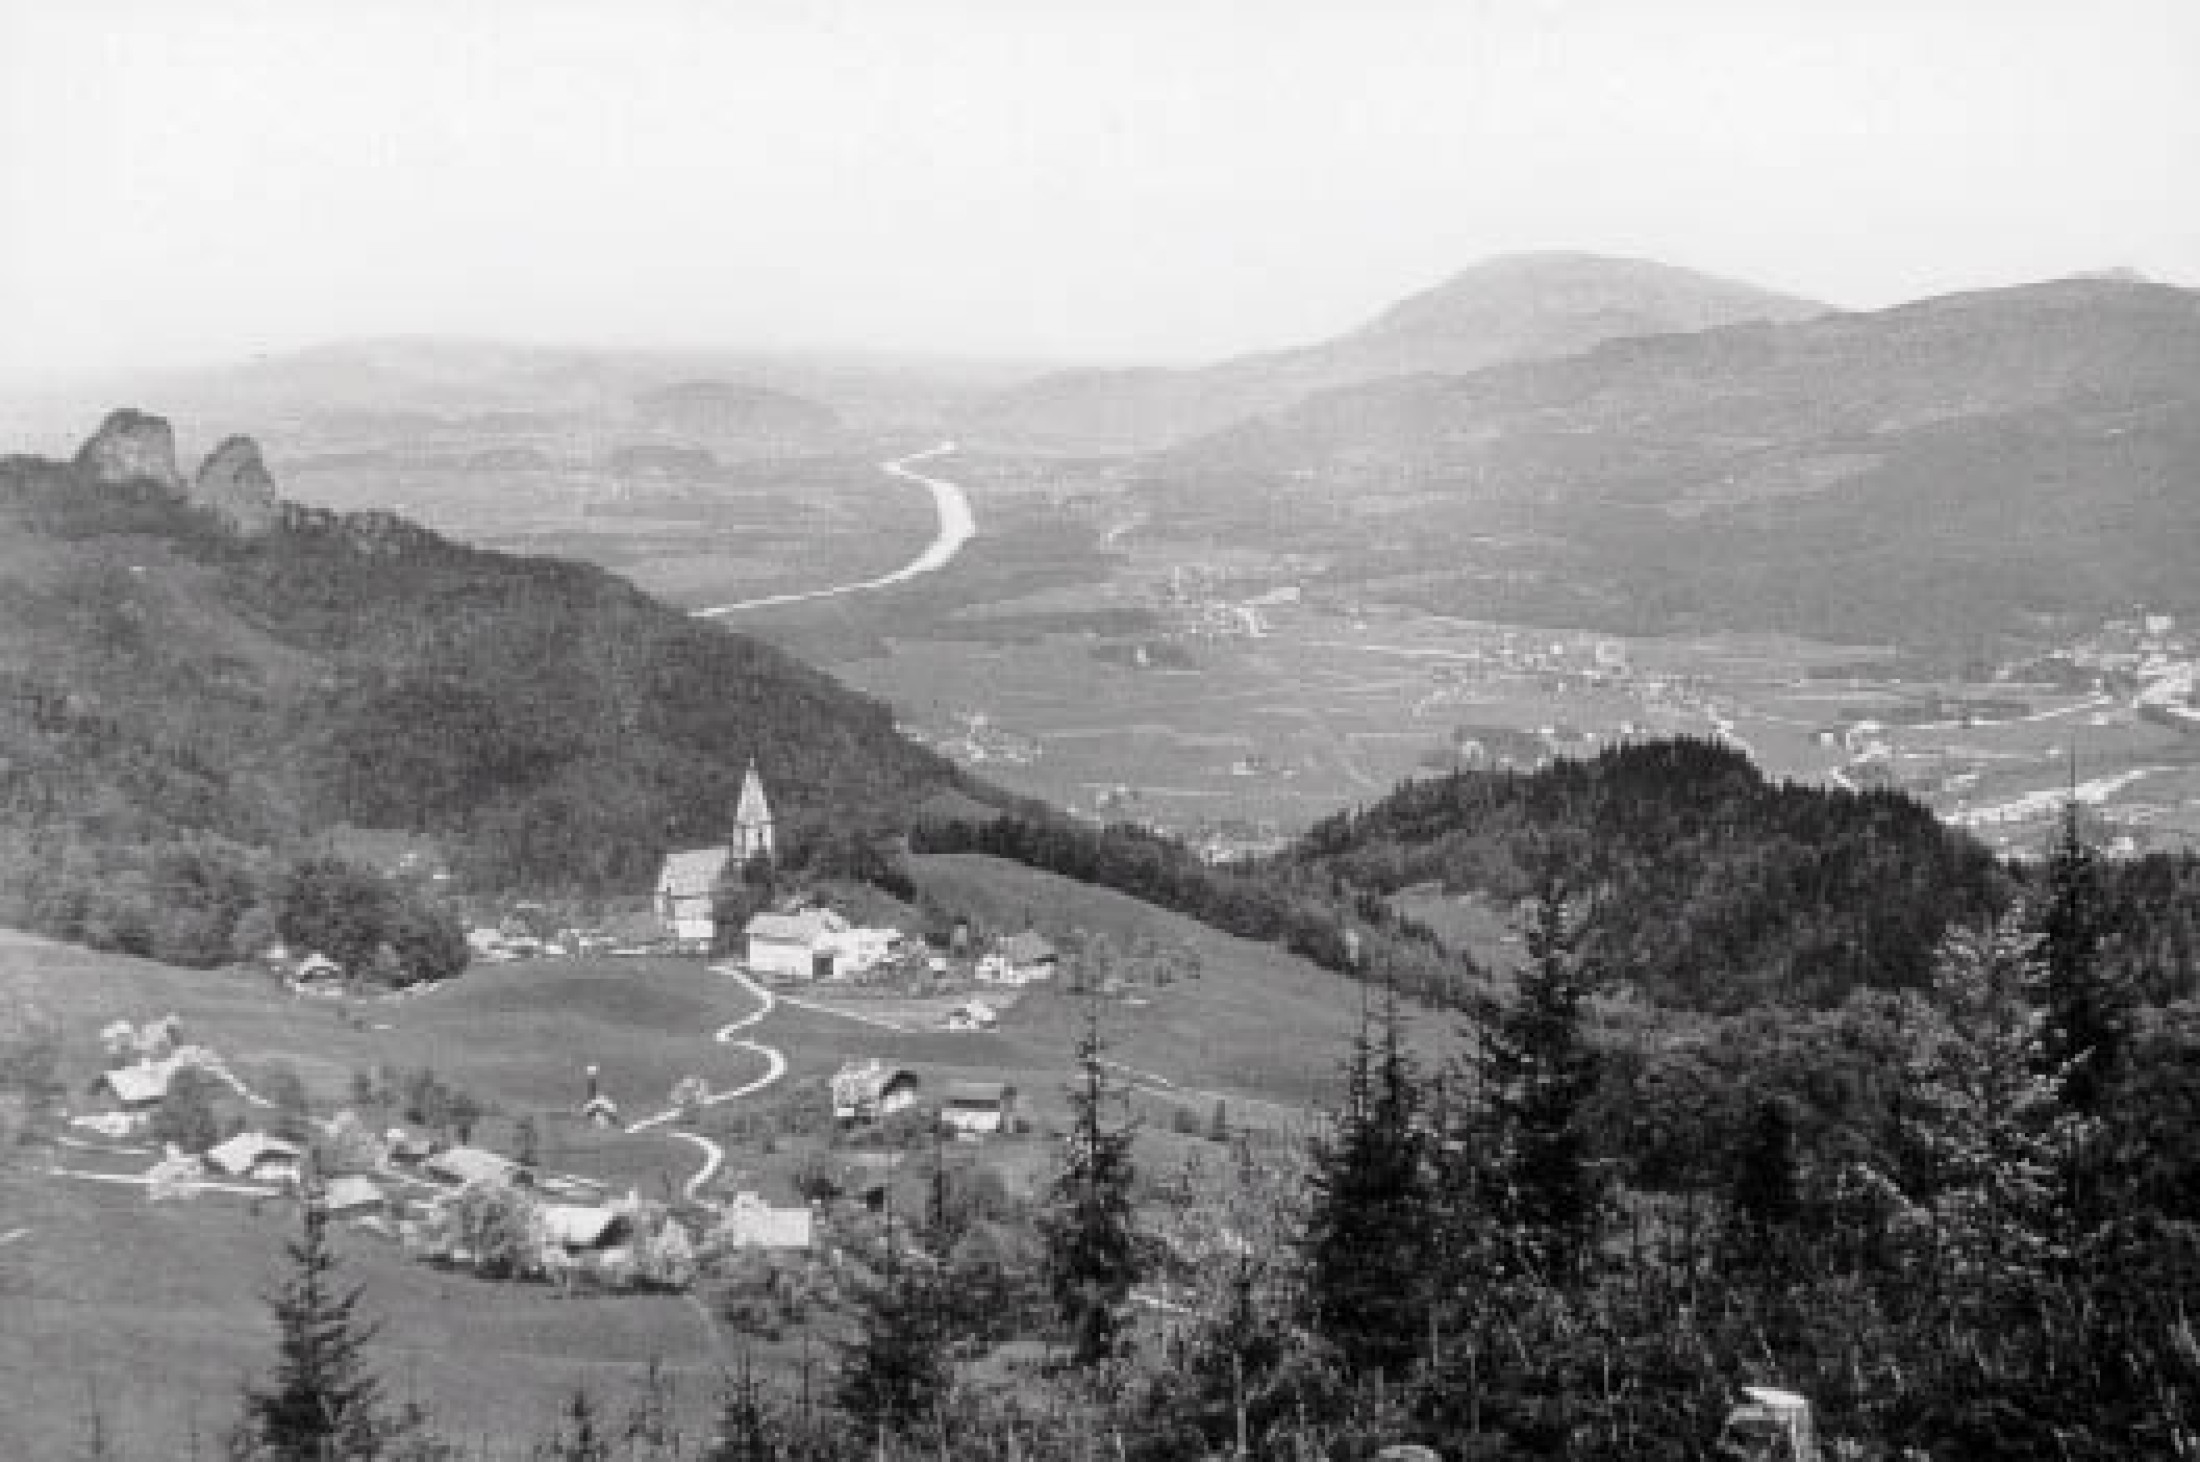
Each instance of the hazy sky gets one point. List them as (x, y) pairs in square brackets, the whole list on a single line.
[(197, 180)]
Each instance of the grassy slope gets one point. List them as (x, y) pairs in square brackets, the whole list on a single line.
[(1259, 1022), (160, 1305)]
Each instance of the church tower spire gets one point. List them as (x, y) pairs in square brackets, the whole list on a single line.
[(752, 819)]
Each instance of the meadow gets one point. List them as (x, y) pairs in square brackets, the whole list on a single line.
[(147, 1316)]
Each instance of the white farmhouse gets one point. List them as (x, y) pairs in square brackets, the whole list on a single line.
[(800, 946), (976, 1108)]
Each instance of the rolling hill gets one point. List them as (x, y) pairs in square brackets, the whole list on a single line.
[(197, 678), (1936, 474), (1516, 307), (725, 413)]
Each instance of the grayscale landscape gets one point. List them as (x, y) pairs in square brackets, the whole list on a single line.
[(1002, 732)]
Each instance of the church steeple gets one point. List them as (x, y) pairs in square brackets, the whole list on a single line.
[(752, 819)]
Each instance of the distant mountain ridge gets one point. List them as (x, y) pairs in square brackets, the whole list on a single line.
[(1514, 307), (1923, 474), (746, 417)]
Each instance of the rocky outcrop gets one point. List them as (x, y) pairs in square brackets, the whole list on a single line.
[(132, 446), (233, 484)]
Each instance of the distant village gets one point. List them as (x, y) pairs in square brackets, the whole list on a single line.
[(169, 1115)]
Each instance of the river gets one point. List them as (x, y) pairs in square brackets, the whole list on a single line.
[(958, 525)]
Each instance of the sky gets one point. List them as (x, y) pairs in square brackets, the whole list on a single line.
[(1170, 181)]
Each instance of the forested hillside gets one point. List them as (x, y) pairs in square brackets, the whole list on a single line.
[(1707, 887), (196, 687), (1944, 474)]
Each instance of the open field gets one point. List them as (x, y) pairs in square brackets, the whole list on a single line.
[(152, 1313)]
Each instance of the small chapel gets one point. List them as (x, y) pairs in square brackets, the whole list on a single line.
[(688, 884)]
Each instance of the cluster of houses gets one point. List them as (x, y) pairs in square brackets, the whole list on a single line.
[(868, 1091), (421, 1194), (797, 942)]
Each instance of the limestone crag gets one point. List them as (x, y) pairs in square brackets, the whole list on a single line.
[(132, 446), (233, 484)]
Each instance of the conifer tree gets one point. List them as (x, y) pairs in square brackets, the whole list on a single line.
[(1092, 1250), (1539, 1074), (2088, 1010), (1369, 1242), (323, 1404), (579, 1437), (1763, 1189), (895, 1372), (745, 1430)]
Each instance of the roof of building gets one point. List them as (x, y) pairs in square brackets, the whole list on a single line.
[(247, 1150), (978, 1093), (147, 1081), (694, 872), (578, 1227), (868, 1080), (752, 810), (1028, 948), (808, 927), (750, 1222), (349, 1192), (473, 1165)]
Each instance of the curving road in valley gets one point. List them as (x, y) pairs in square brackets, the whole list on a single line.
[(958, 525)]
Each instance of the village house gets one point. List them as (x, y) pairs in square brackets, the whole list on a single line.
[(463, 1166), (750, 1223), (354, 1197), (137, 1088), (687, 895), (972, 1015), (687, 886), (257, 1156), (578, 1229), (865, 1091), (975, 1109), (795, 946), (1020, 959)]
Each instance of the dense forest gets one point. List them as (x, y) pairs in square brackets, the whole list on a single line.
[(186, 709), (1709, 887)]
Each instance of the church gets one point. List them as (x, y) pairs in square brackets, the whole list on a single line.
[(687, 885)]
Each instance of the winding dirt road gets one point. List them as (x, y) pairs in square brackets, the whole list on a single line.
[(775, 1066)]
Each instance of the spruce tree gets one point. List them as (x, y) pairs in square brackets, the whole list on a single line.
[(1092, 1250), (895, 1372), (323, 1404), (1369, 1242), (1763, 1187), (1539, 1074), (745, 1431), (579, 1437), (2088, 1010)]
